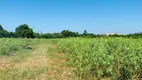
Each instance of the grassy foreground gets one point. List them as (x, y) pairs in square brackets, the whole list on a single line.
[(39, 62), (71, 59)]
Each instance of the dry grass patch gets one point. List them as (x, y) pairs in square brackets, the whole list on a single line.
[(42, 63)]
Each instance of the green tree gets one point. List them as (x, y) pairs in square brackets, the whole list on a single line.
[(3, 33), (67, 33), (57, 35), (36, 35), (85, 32), (12, 35), (1, 28), (46, 35), (24, 31)]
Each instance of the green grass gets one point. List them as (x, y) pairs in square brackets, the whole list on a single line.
[(23, 63), (21, 55), (42, 62), (11, 45), (21, 74)]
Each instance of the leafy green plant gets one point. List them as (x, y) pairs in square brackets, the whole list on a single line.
[(104, 57)]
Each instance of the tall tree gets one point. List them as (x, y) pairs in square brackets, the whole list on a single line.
[(24, 31), (46, 35), (1, 28), (65, 33), (3, 33), (57, 35), (85, 32)]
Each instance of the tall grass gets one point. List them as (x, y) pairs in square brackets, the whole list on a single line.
[(113, 58), (9, 45)]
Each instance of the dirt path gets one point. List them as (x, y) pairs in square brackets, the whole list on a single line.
[(55, 62), (43, 63)]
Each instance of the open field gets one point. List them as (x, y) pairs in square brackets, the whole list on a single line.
[(71, 40), (71, 59)]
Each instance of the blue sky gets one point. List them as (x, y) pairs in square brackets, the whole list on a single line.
[(95, 16)]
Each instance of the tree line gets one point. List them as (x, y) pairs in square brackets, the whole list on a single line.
[(24, 31)]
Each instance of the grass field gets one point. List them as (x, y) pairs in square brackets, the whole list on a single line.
[(31, 59), (71, 59)]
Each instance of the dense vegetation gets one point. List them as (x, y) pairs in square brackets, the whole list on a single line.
[(113, 58), (24, 31)]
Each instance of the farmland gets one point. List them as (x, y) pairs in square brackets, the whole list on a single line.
[(112, 58), (71, 59)]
